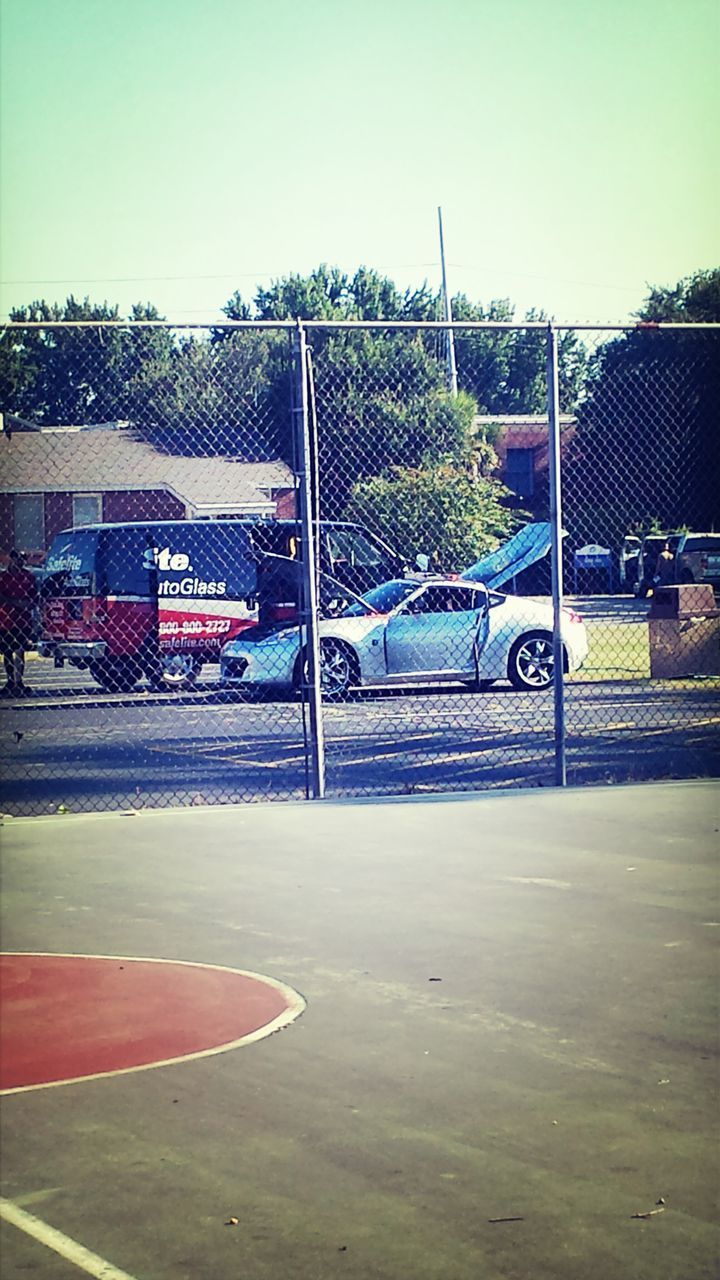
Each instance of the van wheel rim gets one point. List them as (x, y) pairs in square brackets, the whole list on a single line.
[(178, 668)]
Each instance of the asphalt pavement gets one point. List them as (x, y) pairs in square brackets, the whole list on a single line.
[(75, 746), (506, 1066)]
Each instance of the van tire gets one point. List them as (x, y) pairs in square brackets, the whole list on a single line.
[(116, 675)]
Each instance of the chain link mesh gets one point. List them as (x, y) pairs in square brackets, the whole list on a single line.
[(641, 477), (149, 474), (152, 478)]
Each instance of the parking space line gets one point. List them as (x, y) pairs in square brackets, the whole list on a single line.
[(91, 1263)]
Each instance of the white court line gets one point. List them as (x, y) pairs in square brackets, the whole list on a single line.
[(76, 1253)]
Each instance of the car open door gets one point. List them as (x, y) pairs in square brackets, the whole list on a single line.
[(440, 631)]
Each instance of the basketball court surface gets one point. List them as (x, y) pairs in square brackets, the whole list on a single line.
[(430, 1039)]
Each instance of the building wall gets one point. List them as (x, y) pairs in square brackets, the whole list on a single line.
[(117, 505), (285, 507), (142, 504), (146, 504), (7, 523), (58, 514)]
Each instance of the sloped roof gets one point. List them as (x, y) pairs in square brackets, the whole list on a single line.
[(72, 460)]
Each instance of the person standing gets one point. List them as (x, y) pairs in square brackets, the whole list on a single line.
[(18, 599), (665, 567)]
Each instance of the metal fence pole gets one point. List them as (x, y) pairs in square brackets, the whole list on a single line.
[(308, 519), (553, 401)]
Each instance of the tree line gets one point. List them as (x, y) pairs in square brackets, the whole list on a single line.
[(394, 445)]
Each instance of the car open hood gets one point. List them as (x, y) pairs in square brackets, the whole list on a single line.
[(526, 547)]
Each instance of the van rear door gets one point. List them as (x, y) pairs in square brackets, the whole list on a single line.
[(69, 580)]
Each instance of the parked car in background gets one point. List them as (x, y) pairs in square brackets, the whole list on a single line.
[(412, 631), (696, 558), (628, 562)]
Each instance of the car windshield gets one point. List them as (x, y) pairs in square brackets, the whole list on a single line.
[(381, 599)]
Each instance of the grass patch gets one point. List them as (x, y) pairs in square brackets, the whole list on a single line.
[(617, 651)]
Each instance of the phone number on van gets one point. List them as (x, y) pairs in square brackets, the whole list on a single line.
[(194, 627)]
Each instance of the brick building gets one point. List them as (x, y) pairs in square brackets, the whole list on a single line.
[(53, 478), (521, 443)]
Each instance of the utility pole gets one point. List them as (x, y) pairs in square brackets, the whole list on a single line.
[(451, 369)]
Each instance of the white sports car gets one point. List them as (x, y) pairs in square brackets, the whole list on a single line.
[(410, 632)]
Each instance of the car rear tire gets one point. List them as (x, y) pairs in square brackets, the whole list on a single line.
[(530, 664)]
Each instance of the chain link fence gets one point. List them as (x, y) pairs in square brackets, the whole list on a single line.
[(278, 560)]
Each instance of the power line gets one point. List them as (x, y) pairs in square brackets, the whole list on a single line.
[(262, 275)]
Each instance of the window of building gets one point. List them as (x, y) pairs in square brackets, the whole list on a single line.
[(520, 472), (87, 509), (29, 515)]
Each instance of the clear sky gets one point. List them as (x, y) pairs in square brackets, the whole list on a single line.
[(174, 151)]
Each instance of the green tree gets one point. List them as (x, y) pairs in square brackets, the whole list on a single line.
[(381, 395), (381, 402), (436, 508), (228, 397), (74, 376), (330, 294), (506, 369), (647, 446)]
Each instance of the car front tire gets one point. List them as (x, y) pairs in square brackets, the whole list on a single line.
[(339, 670)]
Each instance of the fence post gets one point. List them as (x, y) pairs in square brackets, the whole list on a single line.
[(553, 403), (309, 526)]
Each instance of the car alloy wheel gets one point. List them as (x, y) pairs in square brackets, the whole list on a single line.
[(336, 669), (531, 662)]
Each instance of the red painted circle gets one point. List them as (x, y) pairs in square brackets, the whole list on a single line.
[(70, 1017)]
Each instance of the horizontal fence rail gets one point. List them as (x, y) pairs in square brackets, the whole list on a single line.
[(283, 559)]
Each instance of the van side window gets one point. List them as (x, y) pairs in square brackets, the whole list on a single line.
[(123, 563), (350, 546)]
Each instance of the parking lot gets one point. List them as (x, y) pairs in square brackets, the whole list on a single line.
[(505, 1066), (71, 745), (75, 746)]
